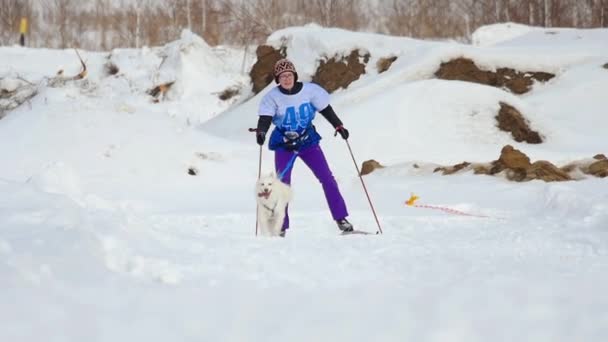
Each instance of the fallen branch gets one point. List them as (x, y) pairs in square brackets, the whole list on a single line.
[(82, 74), (15, 91), (59, 80)]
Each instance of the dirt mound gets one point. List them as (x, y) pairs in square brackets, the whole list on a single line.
[(511, 158), (463, 69), (515, 165), (546, 171), (510, 120), (598, 168), (340, 71), (261, 72)]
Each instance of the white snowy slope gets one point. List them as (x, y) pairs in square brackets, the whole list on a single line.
[(105, 237)]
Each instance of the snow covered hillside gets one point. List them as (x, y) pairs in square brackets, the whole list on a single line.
[(127, 217)]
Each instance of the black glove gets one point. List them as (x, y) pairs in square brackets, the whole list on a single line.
[(343, 132), (260, 137)]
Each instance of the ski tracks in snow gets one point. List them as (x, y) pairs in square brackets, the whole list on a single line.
[(216, 249)]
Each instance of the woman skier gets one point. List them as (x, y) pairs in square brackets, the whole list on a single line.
[(291, 107)]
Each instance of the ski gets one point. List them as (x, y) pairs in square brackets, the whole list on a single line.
[(353, 232)]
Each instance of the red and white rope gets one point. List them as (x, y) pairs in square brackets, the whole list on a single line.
[(413, 198), (447, 210)]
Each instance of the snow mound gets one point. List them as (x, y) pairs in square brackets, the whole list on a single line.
[(10, 84), (189, 63), (493, 34), (191, 74)]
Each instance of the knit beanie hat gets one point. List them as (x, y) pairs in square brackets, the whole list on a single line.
[(284, 65)]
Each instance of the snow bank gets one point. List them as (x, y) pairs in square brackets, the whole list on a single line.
[(390, 95)]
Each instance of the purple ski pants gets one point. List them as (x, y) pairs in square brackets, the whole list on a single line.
[(314, 158)]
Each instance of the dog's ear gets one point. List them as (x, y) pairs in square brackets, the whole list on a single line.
[(272, 174)]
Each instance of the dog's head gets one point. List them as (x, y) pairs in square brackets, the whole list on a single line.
[(265, 185)]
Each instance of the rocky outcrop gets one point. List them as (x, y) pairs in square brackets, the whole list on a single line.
[(518, 82), (262, 70), (510, 120), (339, 71)]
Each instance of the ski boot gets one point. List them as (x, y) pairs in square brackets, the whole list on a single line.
[(344, 225)]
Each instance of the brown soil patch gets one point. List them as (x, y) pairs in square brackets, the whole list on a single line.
[(463, 69), (369, 166), (110, 68), (262, 71), (599, 157), (511, 158), (546, 171), (516, 166), (449, 170), (339, 72), (482, 169), (385, 63), (511, 120), (229, 93), (599, 168)]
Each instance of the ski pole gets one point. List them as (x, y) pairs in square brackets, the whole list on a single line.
[(364, 188), (259, 175)]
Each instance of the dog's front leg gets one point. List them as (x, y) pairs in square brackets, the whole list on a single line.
[(265, 223)]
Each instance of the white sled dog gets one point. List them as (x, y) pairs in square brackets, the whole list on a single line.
[(272, 197)]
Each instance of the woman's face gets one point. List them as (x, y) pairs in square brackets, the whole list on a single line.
[(286, 80)]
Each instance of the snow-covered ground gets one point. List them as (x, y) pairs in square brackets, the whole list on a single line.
[(105, 237)]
